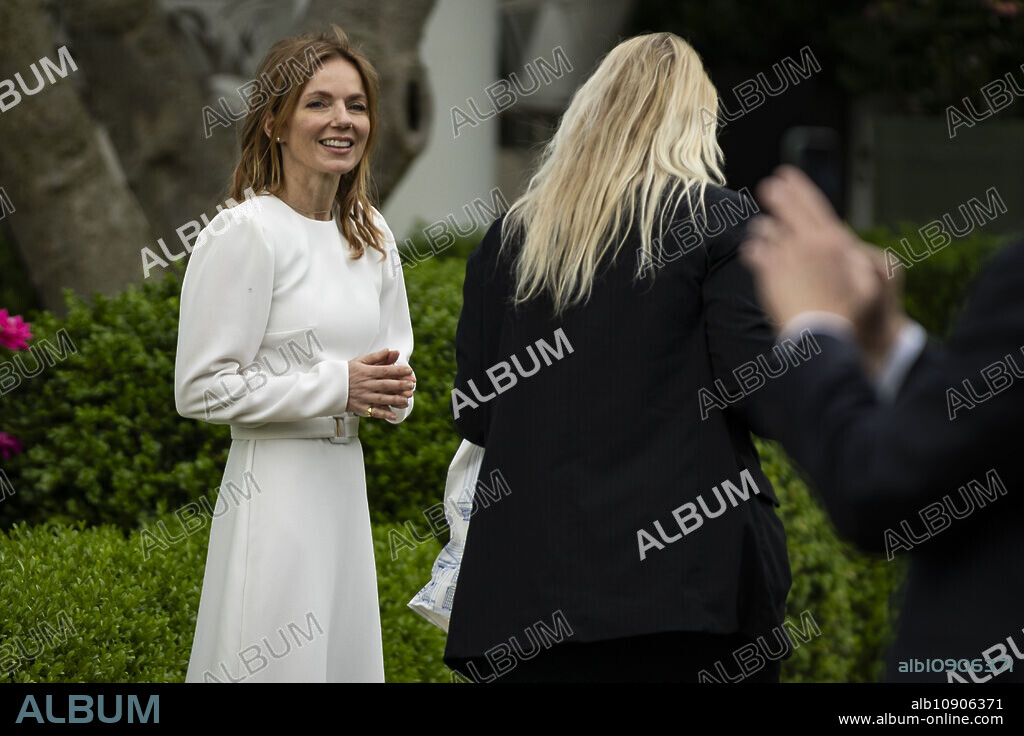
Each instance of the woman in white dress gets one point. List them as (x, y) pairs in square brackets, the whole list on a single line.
[(294, 327)]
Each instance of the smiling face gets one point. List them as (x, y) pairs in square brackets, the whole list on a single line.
[(328, 130)]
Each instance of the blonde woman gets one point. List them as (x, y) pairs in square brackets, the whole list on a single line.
[(605, 350), (294, 328)]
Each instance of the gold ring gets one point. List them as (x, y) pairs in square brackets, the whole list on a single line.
[(369, 411)]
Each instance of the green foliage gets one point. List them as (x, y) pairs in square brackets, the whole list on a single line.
[(845, 592), (437, 241), (132, 612), (88, 605), (406, 464), (412, 647), (724, 31), (925, 52), (105, 444), (921, 55), (119, 618), (936, 287)]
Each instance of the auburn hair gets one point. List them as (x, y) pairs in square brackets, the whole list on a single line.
[(281, 78)]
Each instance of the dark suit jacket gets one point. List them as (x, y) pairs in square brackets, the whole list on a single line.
[(879, 467), (608, 439)]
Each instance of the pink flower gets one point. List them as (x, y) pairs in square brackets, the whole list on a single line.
[(14, 331), (9, 445), (1005, 8)]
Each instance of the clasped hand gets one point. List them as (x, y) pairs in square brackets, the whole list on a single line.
[(374, 381)]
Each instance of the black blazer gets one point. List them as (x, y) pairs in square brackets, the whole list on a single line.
[(949, 472), (604, 441)]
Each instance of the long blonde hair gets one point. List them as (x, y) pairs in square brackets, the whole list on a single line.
[(260, 165), (637, 136)]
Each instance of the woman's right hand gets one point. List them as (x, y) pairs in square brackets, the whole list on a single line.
[(374, 381)]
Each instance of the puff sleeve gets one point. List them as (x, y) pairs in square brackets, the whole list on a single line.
[(225, 305)]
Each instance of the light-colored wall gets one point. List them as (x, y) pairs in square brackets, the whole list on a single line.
[(460, 50), (585, 30)]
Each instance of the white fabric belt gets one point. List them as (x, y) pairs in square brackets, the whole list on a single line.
[(339, 430)]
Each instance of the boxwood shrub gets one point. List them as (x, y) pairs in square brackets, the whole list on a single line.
[(98, 604), (103, 442), (936, 287), (91, 604)]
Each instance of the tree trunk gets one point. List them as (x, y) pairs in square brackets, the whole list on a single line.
[(103, 162), (76, 222), (145, 90)]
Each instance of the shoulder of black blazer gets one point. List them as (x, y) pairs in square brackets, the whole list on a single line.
[(738, 330), (740, 207), (876, 464)]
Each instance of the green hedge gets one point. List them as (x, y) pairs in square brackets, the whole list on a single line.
[(106, 451), (847, 593), (105, 444), (936, 287), (93, 606), (439, 243)]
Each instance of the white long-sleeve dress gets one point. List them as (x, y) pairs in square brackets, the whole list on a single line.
[(272, 308)]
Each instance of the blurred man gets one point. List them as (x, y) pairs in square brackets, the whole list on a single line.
[(914, 448)]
